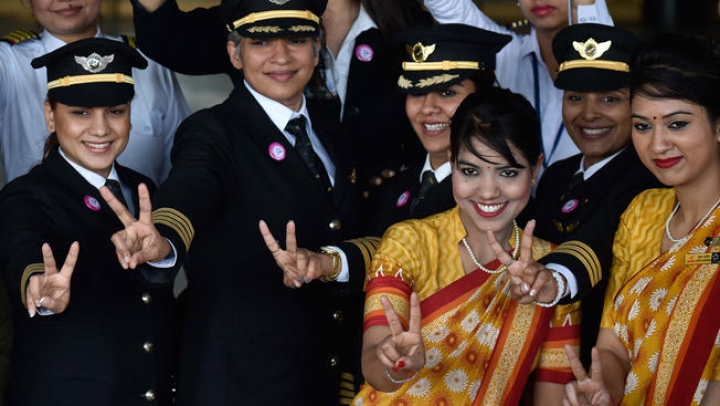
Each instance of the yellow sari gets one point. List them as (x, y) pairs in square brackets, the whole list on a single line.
[(664, 306), (481, 346)]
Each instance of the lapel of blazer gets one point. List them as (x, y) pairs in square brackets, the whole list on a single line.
[(75, 185), (264, 134)]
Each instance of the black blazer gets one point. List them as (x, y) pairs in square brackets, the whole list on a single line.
[(248, 339), (374, 120), (95, 352), (586, 220), (390, 203)]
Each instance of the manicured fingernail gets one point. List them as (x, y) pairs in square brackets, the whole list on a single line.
[(400, 364), (533, 292), (525, 288), (32, 313)]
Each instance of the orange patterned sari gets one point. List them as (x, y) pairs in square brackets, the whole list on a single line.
[(481, 346)]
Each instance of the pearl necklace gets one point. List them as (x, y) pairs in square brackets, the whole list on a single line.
[(502, 267), (698, 224)]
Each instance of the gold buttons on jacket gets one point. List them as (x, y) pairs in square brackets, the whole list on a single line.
[(334, 362), (146, 298), (148, 346), (149, 395), (334, 224), (338, 316)]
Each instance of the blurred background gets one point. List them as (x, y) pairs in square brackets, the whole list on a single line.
[(644, 17)]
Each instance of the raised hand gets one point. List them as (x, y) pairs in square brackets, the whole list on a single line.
[(404, 349), (49, 293), (529, 280), (140, 241), (299, 265), (586, 390)]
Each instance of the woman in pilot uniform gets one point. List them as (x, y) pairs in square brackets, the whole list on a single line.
[(87, 332)]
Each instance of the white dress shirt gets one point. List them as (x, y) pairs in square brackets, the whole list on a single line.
[(156, 110), (521, 69)]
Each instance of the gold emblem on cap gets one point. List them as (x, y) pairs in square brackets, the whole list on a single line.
[(94, 63), (590, 50), (420, 52), (278, 2)]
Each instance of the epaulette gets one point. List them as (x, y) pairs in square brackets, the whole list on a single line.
[(519, 25), (18, 36), (130, 40)]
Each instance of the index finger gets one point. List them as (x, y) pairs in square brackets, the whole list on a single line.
[(596, 366), (575, 365), (497, 248), (290, 240), (117, 207), (393, 320), (48, 260), (270, 241), (70, 260), (415, 314), (526, 242), (145, 204)]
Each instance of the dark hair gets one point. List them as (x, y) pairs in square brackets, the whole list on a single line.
[(484, 79), (677, 66), (52, 140), (393, 15), (498, 118)]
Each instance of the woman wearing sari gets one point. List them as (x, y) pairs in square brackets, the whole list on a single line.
[(658, 340), (440, 325)]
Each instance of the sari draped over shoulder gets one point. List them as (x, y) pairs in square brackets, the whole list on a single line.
[(481, 346), (666, 313)]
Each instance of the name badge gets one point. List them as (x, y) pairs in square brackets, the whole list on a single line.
[(702, 259)]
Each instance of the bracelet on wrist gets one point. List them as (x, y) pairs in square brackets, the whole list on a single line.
[(560, 290), (398, 381), (336, 264)]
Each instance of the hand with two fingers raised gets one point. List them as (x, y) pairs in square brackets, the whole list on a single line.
[(586, 390), (530, 280), (139, 241), (49, 293), (398, 354), (299, 265)]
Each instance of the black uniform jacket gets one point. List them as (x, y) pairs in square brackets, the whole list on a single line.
[(248, 339), (194, 42), (111, 346), (391, 202), (585, 219)]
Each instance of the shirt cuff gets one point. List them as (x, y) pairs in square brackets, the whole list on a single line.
[(344, 275), (169, 261), (571, 288)]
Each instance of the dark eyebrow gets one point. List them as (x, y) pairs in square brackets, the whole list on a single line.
[(674, 113)]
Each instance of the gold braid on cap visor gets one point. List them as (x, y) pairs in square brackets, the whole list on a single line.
[(582, 63), (83, 79), (444, 65), (268, 15)]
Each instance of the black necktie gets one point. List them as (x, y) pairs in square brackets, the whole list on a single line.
[(296, 127), (576, 181), (428, 181), (116, 190)]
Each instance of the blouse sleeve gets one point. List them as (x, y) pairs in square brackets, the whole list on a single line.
[(390, 275)]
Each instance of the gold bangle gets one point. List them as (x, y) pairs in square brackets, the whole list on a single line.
[(337, 264)]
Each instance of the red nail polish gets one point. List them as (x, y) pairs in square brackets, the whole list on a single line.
[(401, 364)]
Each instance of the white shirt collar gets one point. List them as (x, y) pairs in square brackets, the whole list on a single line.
[(442, 171), (279, 113), (587, 173), (51, 42), (91, 177)]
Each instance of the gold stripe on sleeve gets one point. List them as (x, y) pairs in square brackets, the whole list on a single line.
[(29, 271), (176, 221)]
